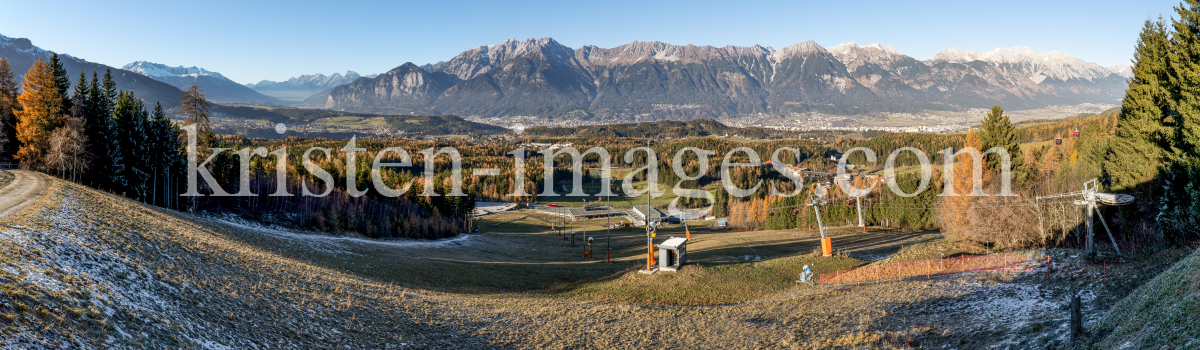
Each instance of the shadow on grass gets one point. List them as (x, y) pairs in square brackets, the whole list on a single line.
[(542, 263)]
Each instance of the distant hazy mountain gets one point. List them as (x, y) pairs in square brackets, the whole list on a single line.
[(640, 80), (217, 87), (1124, 70), (304, 86), (21, 54)]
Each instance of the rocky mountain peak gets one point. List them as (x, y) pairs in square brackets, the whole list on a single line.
[(483, 59), (853, 48), (657, 50), (23, 45), (1036, 65), (854, 55), (797, 50)]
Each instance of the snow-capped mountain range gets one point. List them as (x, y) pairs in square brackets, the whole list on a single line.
[(543, 77), (304, 86), (319, 81), (152, 69), (22, 46), (216, 86), (21, 54), (1036, 65)]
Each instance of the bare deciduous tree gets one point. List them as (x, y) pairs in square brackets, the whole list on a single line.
[(67, 150)]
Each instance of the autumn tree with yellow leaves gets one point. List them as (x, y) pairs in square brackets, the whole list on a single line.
[(41, 113)]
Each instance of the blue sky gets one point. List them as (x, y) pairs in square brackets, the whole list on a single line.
[(248, 41)]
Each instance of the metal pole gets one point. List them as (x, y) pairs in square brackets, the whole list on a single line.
[(1091, 246), (858, 201), (820, 226), (1041, 224), (1110, 235), (649, 240)]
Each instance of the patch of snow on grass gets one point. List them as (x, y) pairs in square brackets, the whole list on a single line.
[(295, 235)]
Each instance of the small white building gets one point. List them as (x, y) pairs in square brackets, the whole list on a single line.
[(672, 253)]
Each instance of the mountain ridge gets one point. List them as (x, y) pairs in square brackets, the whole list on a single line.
[(22, 53), (216, 87), (304, 86), (638, 80)]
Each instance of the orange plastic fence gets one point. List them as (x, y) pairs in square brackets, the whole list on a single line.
[(928, 267)]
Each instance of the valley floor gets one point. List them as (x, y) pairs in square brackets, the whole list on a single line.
[(84, 269)]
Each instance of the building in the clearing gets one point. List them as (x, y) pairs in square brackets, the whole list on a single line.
[(639, 213), (586, 213)]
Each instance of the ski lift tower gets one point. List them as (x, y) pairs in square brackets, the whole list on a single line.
[(816, 202), (1089, 199), (857, 195)]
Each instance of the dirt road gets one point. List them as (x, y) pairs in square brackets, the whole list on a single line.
[(27, 187)]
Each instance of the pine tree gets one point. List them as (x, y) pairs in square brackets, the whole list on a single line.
[(163, 149), (1179, 209), (80, 107), (96, 129), (80, 94), (61, 80), (41, 112), (721, 205), (130, 119), (8, 119), (998, 131), (114, 174), (1140, 143), (1185, 77)]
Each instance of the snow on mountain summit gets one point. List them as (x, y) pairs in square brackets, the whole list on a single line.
[(1036, 65), (854, 55), (22, 45), (485, 58), (850, 47), (1124, 70), (152, 69)]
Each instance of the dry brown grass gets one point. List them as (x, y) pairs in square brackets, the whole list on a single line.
[(242, 287)]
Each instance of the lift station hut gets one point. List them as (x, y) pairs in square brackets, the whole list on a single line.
[(672, 253)]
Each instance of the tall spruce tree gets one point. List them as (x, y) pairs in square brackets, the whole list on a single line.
[(129, 120), (1179, 208), (114, 175), (8, 120), (80, 93), (1185, 77), (1141, 141), (62, 80), (80, 107), (998, 131), (96, 129), (163, 144)]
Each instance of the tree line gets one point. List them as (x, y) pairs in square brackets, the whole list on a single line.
[(1155, 152), (99, 136), (94, 134)]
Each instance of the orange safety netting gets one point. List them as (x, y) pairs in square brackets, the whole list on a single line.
[(928, 267)]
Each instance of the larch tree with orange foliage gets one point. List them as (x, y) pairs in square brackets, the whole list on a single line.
[(955, 210), (41, 112)]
